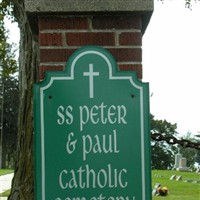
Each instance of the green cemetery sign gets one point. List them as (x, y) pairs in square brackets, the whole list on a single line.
[(92, 131)]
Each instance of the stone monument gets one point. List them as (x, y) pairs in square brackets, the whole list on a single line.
[(182, 165), (180, 162), (178, 156)]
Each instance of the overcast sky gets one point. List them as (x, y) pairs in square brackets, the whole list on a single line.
[(171, 64)]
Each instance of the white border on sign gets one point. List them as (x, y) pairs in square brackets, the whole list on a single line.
[(111, 77)]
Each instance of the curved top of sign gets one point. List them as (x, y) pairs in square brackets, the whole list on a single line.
[(92, 55), (91, 117)]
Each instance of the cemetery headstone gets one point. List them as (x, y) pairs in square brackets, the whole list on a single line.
[(196, 182), (173, 177), (156, 186), (183, 165), (178, 156), (179, 178), (180, 162), (198, 169)]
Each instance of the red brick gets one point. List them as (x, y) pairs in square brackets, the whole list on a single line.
[(44, 69), (55, 55), (55, 23), (117, 22), (50, 39), (130, 38), (132, 67), (126, 54), (91, 38)]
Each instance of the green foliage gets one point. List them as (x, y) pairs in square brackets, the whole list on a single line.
[(162, 153), (7, 58), (164, 127), (189, 3), (7, 51), (161, 157), (10, 102), (6, 9), (192, 155), (8, 85)]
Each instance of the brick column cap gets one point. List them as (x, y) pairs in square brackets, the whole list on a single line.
[(88, 5), (77, 7)]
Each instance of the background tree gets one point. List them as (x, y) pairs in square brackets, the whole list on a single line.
[(198, 152), (10, 97), (162, 153), (8, 62), (191, 154), (8, 65)]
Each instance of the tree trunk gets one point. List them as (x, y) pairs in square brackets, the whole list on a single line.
[(23, 181)]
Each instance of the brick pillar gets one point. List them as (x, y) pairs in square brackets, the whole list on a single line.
[(82, 22)]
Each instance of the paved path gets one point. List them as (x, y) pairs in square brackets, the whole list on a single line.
[(5, 183)]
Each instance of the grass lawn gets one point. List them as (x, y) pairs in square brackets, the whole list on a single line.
[(5, 194), (178, 190), (6, 171)]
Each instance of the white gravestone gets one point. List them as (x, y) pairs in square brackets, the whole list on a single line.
[(182, 165), (178, 156)]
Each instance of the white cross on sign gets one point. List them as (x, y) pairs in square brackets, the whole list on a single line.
[(91, 75)]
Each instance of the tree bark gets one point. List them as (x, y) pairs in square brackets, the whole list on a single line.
[(23, 181)]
